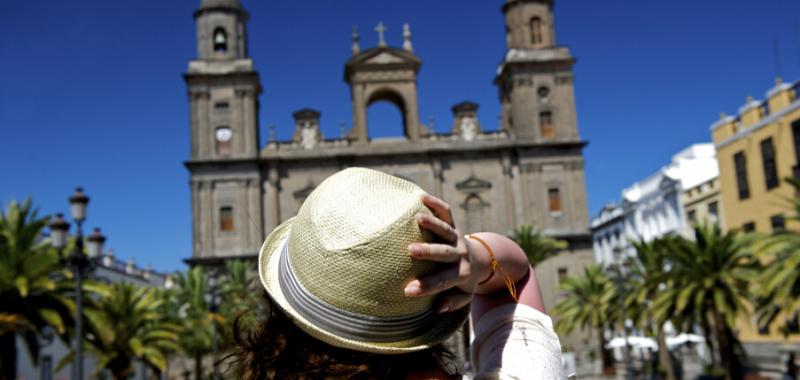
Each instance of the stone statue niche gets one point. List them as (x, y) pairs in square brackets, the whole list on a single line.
[(307, 132), (465, 121)]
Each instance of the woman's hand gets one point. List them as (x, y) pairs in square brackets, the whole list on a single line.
[(458, 281)]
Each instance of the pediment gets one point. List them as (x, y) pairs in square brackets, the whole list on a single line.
[(473, 184), (384, 56)]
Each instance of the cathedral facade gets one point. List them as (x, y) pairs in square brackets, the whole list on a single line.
[(528, 170)]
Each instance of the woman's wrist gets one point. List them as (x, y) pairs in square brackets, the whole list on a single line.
[(482, 260)]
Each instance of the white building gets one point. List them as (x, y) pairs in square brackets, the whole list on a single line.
[(652, 207)]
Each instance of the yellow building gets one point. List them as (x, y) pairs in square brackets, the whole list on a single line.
[(756, 150), (702, 203)]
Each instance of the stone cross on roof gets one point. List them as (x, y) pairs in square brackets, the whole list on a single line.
[(381, 29)]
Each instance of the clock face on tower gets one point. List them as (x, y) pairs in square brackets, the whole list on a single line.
[(224, 134)]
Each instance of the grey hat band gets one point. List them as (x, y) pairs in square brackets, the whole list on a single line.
[(344, 323)]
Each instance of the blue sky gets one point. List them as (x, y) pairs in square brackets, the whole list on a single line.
[(91, 92)]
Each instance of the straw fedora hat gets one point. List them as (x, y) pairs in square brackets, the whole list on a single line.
[(338, 268)]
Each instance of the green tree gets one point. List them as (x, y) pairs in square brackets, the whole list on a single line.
[(239, 293), (709, 283), (588, 305), (128, 324), (537, 246), (648, 276), (195, 316), (33, 285), (779, 285)]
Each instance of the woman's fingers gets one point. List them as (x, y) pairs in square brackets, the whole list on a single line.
[(438, 227), (442, 253), (439, 208), (439, 281), (454, 300)]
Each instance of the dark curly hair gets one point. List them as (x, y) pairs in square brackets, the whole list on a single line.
[(272, 347)]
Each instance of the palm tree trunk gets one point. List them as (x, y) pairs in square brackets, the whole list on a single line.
[(198, 367), (725, 345), (663, 355), (605, 356), (709, 344), (8, 356)]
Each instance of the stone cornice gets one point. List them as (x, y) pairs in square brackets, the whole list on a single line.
[(407, 148)]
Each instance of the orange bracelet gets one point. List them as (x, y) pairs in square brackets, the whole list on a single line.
[(512, 287)]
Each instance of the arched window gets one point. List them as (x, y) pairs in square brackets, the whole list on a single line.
[(537, 38), (220, 40), (546, 126), (475, 210)]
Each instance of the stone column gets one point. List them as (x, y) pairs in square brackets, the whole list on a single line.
[(210, 222), (249, 127), (244, 216), (436, 165), (505, 161), (274, 200), (202, 127), (237, 125), (359, 131), (412, 114), (193, 122), (256, 214), (197, 236)]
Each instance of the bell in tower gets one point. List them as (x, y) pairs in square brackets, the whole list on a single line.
[(535, 78), (221, 32)]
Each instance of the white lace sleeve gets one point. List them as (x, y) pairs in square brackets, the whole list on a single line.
[(515, 341)]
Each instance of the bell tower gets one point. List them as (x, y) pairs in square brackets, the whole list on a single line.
[(535, 77), (223, 91)]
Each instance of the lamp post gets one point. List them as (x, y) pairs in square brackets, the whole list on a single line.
[(78, 261)]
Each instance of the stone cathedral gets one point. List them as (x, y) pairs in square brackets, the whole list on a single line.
[(528, 170)]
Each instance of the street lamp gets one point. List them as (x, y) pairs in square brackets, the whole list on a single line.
[(78, 261)]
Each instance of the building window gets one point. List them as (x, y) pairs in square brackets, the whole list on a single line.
[(796, 137), (778, 223), (226, 219), (222, 106), (749, 227), (713, 212), (220, 40), (740, 164), (223, 137), (692, 214), (546, 125), (554, 199), (768, 160), (562, 275), (536, 31)]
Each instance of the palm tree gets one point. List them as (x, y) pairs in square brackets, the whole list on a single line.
[(239, 293), (194, 312), (648, 276), (128, 324), (779, 290), (537, 246), (710, 280), (33, 285), (588, 305)]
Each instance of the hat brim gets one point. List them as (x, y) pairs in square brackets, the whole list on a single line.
[(268, 259)]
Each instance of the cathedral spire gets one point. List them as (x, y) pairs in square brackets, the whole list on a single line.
[(407, 38), (356, 47)]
